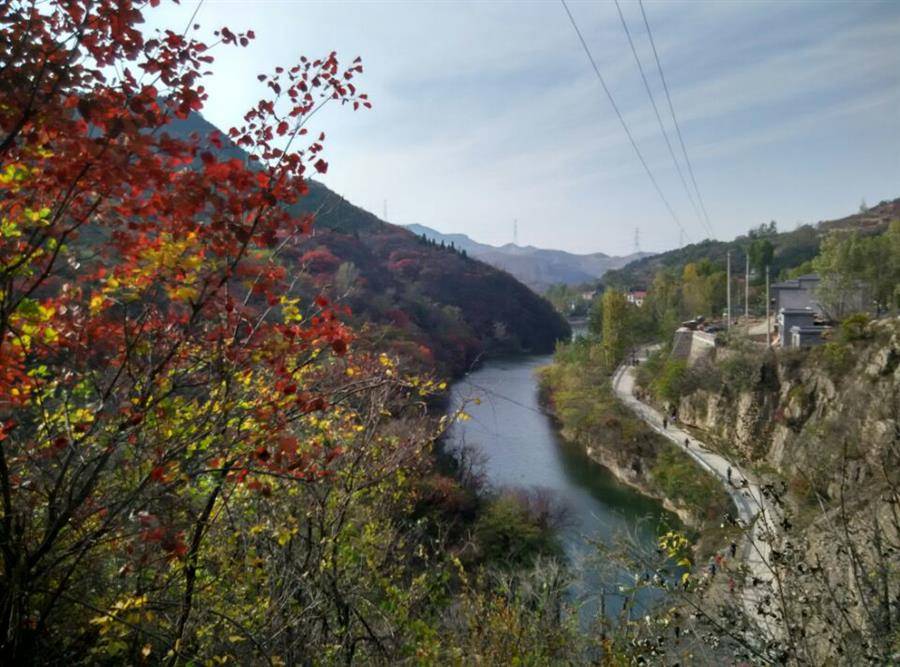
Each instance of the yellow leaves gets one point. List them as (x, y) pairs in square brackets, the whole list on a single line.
[(9, 229), (13, 175), (37, 216), (289, 310), (183, 293), (120, 608), (285, 535), (385, 360), (81, 416), (96, 304), (463, 416), (46, 312), (675, 545)]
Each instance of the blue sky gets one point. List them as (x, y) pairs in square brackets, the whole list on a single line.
[(486, 112)]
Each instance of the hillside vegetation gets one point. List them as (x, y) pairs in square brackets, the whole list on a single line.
[(791, 248), (204, 460), (817, 427), (434, 305)]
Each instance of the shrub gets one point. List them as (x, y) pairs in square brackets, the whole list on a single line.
[(679, 479), (651, 368), (838, 358), (855, 328), (704, 375), (509, 535), (740, 371), (670, 384)]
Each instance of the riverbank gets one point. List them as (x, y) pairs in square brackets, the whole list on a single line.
[(522, 451), (752, 505), (576, 390)]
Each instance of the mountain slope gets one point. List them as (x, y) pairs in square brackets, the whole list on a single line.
[(791, 248), (538, 268), (428, 303)]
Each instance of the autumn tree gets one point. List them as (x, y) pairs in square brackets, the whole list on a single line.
[(154, 366)]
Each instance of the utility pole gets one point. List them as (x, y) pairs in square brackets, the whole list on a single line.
[(637, 239), (728, 285), (516, 231), (768, 328), (680, 238), (747, 288)]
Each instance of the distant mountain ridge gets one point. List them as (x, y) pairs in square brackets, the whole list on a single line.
[(539, 268)]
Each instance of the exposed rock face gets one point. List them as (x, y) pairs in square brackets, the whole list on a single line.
[(634, 472), (803, 415), (826, 424)]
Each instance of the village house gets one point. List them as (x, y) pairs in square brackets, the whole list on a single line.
[(636, 297)]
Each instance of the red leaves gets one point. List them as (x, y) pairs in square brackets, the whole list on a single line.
[(165, 293), (320, 261)]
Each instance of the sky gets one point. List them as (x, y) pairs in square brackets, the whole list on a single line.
[(486, 113)]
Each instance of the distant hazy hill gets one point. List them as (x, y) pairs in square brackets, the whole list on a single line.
[(423, 301), (536, 267), (792, 248)]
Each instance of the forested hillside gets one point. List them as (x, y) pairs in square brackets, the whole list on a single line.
[(433, 304), (791, 248)]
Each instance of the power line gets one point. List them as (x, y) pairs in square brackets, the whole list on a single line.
[(615, 107), (662, 127), (687, 160)]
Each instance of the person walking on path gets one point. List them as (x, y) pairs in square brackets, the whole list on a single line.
[(665, 422), (687, 443), (734, 549), (728, 472)]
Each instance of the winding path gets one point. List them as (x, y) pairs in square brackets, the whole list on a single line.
[(754, 509)]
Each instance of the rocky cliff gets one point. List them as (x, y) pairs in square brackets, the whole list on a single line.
[(823, 427), (827, 415)]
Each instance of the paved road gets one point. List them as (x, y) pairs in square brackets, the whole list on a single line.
[(754, 510)]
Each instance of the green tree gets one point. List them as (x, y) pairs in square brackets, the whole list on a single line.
[(615, 326), (858, 272), (761, 252), (664, 302)]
